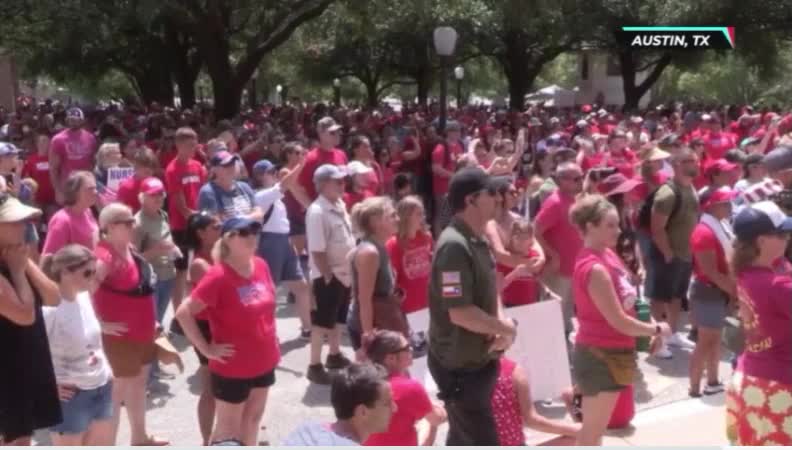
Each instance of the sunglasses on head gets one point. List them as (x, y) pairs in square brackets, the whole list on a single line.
[(127, 222), (405, 348), (87, 273)]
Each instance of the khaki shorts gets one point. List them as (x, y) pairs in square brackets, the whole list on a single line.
[(126, 357), (603, 369)]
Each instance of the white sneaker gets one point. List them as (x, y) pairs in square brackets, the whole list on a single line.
[(663, 352), (677, 340)]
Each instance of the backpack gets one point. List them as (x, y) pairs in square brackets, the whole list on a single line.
[(645, 213), (147, 280), (219, 200)]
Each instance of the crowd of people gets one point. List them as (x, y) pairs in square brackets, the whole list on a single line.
[(109, 217)]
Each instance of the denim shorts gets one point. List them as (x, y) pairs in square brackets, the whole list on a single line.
[(85, 407)]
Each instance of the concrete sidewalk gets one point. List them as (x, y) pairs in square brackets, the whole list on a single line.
[(693, 422)]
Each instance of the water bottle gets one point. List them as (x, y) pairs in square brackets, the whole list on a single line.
[(643, 312)]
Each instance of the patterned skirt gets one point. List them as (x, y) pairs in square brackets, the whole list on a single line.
[(758, 411)]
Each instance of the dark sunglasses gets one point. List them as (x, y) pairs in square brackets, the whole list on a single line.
[(246, 232)]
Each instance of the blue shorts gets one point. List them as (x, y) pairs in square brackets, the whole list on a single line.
[(85, 407), (276, 249)]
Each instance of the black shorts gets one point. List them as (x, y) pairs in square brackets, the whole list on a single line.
[(667, 280), (332, 303), (181, 241), (237, 390), (203, 325)]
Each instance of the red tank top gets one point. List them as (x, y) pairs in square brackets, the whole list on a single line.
[(522, 290), (506, 407)]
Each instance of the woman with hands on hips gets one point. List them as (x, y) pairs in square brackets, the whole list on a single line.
[(237, 297), (30, 397), (604, 357), (82, 372)]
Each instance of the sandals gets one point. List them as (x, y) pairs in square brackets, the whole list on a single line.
[(152, 441)]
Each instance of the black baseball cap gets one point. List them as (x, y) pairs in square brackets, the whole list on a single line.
[(759, 219), (468, 181)]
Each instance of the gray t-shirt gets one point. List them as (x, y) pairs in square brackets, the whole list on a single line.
[(314, 433), (149, 231)]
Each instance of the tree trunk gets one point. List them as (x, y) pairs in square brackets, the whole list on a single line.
[(372, 94), (186, 92), (633, 93), (423, 83), (155, 86), (517, 68)]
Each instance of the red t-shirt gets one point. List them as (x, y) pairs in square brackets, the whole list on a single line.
[(416, 166), (185, 178), (440, 183), (313, 160), (593, 328), (137, 313), (624, 162), (412, 262), (37, 168), (765, 295), (590, 161), (559, 233), (716, 145), (129, 192), (412, 405), (353, 198), (523, 290), (241, 312), (704, 239)]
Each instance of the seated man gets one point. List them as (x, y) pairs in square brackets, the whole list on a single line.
[(362, 402)]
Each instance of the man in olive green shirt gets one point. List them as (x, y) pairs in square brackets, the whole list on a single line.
[(675, 212), (467, 329)]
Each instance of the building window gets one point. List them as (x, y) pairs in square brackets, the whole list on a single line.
[(584, 67), (613, 69)]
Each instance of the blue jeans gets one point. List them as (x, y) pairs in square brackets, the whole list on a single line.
[(162, 296)]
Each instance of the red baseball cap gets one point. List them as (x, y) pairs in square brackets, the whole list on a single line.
[(720, 165), (152, 186), (714, 196), (617, 183)]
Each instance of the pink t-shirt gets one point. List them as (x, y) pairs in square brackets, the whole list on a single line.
[(129, 193), (76, 149), (559, 233), (766, 310), (412, 405), (66, 227), (593, 328), (137, 313)]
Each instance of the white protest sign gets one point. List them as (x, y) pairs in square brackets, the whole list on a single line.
[(419, 323), (541, 348), (115, 175)]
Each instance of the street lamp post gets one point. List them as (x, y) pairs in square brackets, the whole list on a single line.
[(279, 90), (337, 92), (444, 41), (459, 74)]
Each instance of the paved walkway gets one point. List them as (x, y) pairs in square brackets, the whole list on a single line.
[(292, 400)]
